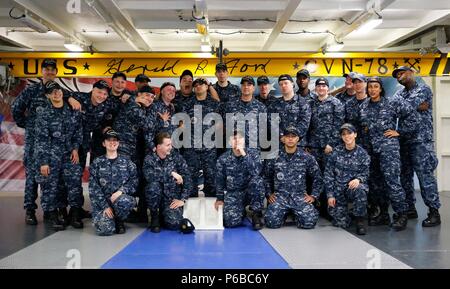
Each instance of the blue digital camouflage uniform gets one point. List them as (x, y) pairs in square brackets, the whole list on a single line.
[(231, 92), (239, 183), (286, 177), (417, 153), (114, 105), (326, 119), (129, 122), (58, 133), (92, 117), (294, 112), (311, 95), (343, 97), (23, 110), (353, 116), (377, 118), (342, 167), (107, 176), (266, 101), (132, 123), (180, 99), (253, 110), (198, 156), (163, 126), (161, 188)]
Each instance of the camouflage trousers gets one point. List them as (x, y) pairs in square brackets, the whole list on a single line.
[(344, 196), (61, 185), (31, 186), (236, 201), (204, 160), (105, 226), (420, 158), (385, 186), (306, 214)]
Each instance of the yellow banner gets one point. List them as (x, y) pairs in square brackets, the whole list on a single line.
[(239, 64)]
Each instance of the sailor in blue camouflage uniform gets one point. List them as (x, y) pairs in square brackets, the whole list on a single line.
[(417, 153), (266, 96), (186, 90), (327, 116), (93, 110), (285, 182), (200, 156), (135, 115), (303, 78), (168, 186), (23, 110), (292, 109), (349, 91), (248, 106), (239, 183), (58, 137), (117, 97), (112, 183), (165, 109), (345, 181), (380, 117), (136, 119), (353, 109), (226, 90)]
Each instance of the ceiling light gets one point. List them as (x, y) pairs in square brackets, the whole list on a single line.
[(205, 44), (205, 47), (370, 24), (72, 46), (34, 24)]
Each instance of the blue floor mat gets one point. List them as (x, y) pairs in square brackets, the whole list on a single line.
[(236, 248)]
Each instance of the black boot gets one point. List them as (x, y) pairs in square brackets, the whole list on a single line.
[(381, 219), (62, 212), (373, 211), (155, 227), (434, 218), (360, 226), (85, 214), (120, 227), (55, 221), (401, 222), (30, 217), (257, 220), (75, 218), (411, 213)]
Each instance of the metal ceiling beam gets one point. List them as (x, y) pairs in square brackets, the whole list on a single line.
[(402, 5), (281, 23), (429, 20), (213, 5), (53, 22), (113, 17), (16, 41), (149, 24)]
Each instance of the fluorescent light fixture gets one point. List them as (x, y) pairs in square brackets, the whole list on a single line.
[(34, 24), (205, 47), (72, 46), (369, 24)]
